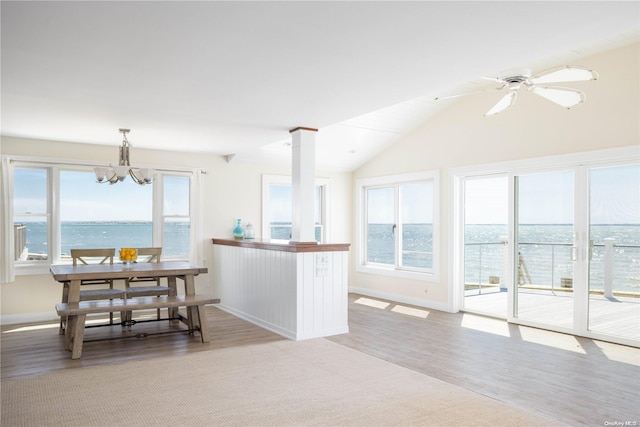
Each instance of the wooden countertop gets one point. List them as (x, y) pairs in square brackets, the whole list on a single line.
[(283, 245)]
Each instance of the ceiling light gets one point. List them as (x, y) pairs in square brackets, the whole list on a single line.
[(114, 174)]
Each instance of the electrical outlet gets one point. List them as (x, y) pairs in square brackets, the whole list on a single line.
[(322, 265)]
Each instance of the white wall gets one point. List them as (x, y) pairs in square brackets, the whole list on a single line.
[(533, 127), (230, 190)]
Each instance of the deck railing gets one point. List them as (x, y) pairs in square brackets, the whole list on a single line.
[(491, 262), (19, 240)]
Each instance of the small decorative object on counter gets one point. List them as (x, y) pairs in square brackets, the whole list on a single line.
[(128, 255), (249, 232), (238, 232)]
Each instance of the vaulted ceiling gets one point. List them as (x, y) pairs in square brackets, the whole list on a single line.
[(235, 77)]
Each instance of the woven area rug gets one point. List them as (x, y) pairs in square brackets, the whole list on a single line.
[(284, 383)]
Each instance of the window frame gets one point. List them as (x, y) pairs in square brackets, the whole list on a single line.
[(325, 197), (362, 266), (53, 168)]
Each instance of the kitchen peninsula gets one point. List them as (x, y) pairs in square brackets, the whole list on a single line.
[(298, 290)]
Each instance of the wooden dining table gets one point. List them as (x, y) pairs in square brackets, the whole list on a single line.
[(72, 276)]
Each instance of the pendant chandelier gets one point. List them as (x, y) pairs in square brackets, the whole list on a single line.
[(115, 174)]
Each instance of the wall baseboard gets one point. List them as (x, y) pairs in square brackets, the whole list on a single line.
[(399, 298), (258, 322), (15, 319)]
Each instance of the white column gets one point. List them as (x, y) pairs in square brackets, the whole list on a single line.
[(303, 149)]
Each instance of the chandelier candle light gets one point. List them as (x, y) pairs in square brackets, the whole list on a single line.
[(114, 174)]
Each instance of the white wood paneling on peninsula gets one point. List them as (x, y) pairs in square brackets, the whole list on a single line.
[(299, 291)]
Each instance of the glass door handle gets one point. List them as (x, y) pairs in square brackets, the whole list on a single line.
[(574, 253)]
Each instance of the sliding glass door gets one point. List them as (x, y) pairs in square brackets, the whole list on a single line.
[(614, 251), (545, 250), (554, 247), (486, 246)]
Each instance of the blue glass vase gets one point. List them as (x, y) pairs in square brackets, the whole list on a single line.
[(238, 232)]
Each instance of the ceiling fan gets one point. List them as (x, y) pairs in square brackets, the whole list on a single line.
[(513, 80)]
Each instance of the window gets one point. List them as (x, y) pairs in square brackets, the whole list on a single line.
[(277, 207), (96, 215), (176, 218), (31, 214), (397, 227), (56, 207)]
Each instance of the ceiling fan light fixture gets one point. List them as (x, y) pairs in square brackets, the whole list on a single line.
[(516, 79), (564, 97), (505, 102)]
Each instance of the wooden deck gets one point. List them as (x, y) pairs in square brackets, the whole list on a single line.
[(619, 317)]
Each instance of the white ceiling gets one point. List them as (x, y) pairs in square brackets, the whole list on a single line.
[(235, 77)]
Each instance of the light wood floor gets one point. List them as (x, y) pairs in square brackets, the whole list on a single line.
[(575, 380)]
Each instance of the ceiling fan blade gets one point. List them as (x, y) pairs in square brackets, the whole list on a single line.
[(493, 79), (568, 73), (505, 102), (439, 98), (565, 97)]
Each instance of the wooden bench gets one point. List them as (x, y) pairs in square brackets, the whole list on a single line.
[(77, 312)]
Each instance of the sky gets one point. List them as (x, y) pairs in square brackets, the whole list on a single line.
[(416, 204), (83, 199), (547, 198), (280, 206)]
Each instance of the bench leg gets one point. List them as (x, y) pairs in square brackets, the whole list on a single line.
[(124, 318), (78, 336), (63, 325), (173, 291), (74, 334), (202, 319), (68, 331), (192, 318)]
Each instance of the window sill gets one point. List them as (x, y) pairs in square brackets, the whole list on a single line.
[(403, 274), (27, 270)]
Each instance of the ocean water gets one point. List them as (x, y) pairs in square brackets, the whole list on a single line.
[(417, 249), (545, 249), (545, 252), (80, 235)]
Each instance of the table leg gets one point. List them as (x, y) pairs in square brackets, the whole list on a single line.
[(74, 291), (65, 298), (189, 285), (173, 291)]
